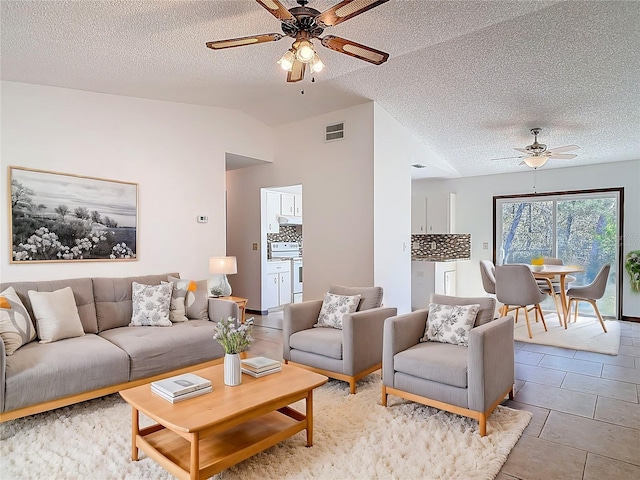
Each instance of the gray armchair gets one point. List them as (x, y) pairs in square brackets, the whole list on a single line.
[(469, 381), (348, 354)]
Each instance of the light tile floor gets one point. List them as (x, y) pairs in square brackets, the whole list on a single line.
[(586, 412)]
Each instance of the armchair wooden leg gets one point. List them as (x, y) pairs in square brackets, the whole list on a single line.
[(286, 362), (352, 386), (482, 423), (384, 395), (511, 394)]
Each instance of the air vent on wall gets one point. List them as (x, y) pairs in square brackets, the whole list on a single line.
[(334, 132), (419, 165)]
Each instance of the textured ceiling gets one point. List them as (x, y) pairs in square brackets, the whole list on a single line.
[(468, 78)]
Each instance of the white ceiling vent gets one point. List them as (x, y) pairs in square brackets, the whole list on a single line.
[(334, 132)]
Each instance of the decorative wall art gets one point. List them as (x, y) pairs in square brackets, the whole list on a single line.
[(58, 217)]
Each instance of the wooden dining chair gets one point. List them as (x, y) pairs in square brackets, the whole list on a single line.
[(516, 287), (589, 293)]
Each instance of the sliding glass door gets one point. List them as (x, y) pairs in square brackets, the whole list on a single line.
[(579, 228)]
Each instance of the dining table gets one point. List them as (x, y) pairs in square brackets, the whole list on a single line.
[(561, 271)]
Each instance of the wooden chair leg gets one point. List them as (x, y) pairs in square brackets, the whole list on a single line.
[(595, 307), (384, 395), (517, 311), (571, 300), (539, 309), (352, 386), (511, 394), (526, 317)]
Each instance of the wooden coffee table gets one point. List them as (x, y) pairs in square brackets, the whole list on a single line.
[(201, 436)]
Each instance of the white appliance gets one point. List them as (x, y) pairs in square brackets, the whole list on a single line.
[(291, 251)]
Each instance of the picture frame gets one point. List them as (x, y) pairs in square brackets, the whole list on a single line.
[(61, 217)]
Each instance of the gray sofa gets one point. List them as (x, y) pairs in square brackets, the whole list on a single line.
[(110, 356)]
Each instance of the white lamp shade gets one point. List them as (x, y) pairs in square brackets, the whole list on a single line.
[(223, 265)]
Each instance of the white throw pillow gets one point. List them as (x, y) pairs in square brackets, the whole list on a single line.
[(334, 307), (16, 328), (56, 315), (177, 308), (450, 323), (150, 305)]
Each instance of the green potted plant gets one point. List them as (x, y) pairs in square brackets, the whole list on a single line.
[(632, 266)]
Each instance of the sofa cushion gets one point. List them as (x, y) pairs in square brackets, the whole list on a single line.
[(82, 292), (177, 307), (113, 298), (56, 315), (438, 362), (157, 350), (39, 372), (485, 313), (150, 305), (197, 298), (371, 296), (450, 323), (334, 308), (16, 328), (321, 341)]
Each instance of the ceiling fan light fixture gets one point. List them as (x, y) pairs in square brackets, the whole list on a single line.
[(286, 62), (305, 51), (316, 64), (536, 161)]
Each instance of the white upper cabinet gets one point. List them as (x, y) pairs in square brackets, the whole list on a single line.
[(287, 204), (273, 210), (441, 213), (418, 215), (297, 210)]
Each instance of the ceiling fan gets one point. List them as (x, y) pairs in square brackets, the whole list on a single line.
[(537, 154), (303, 24)]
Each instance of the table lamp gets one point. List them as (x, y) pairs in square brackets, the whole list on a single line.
[(221, 267)]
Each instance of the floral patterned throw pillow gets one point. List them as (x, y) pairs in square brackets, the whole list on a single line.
[(334, 307), (450, 323), (151, 305)]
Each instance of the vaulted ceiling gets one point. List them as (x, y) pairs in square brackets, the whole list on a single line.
[(467, 78)]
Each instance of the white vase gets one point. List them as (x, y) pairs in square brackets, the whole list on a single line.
[(232, 372)]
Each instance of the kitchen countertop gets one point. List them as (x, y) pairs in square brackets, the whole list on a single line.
[(431, 258)]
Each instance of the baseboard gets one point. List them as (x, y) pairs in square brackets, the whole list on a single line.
[(631, 319)]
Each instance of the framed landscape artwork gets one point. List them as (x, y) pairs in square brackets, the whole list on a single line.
[(58, 217)]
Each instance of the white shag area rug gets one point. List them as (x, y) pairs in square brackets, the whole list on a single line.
[(354, 438), (586, 334)]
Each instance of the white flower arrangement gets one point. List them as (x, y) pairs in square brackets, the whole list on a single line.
[(234, 339), (632, 266)]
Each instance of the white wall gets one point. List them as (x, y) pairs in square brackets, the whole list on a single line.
[(337, 184), (175, 152), (474, 210), (395, 149)]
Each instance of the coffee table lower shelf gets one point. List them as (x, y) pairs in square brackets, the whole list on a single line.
[(219, 450)]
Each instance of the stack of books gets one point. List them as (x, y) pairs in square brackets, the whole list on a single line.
[(260, 366), (181, 387)]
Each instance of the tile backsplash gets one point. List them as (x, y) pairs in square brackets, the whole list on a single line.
[(288, 233), (448, 245)]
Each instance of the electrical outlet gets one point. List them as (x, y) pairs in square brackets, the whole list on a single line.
[(255, 246), (203, 219), (485, 245)]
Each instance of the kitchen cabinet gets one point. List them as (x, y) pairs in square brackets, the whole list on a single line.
[(431, 277), (276, 289), (441, 213), (418, 215), (272, 211), (297, 205), (287, 204)]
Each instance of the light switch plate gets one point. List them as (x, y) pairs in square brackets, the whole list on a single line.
[(203, 219)]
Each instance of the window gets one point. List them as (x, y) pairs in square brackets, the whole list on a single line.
[(581, 228)]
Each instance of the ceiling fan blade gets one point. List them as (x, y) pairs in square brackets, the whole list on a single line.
[(354, 49), (297, 71), (506, 158), (345, 10), (566, 148), (239, 42), (563, 156), (523, 150), (276, 9)]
